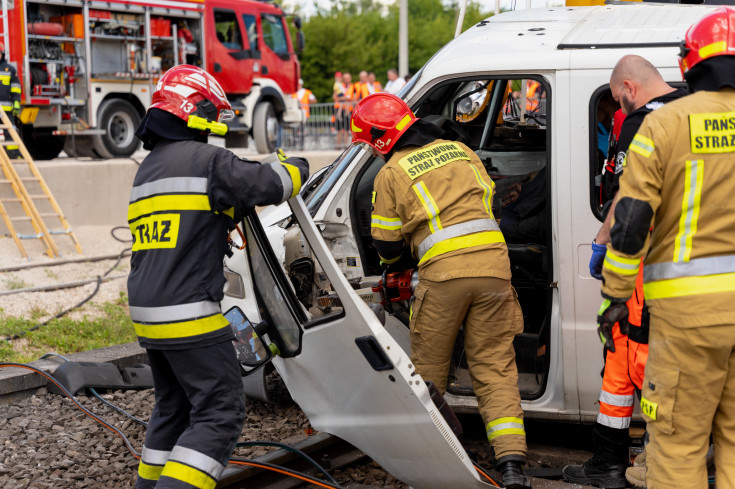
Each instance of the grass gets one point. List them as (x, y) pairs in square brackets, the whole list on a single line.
[(64, 335), (15, 283)]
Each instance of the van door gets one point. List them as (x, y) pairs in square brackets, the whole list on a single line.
[(344, 370)]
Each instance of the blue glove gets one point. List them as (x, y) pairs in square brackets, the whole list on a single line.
[(598, 256)]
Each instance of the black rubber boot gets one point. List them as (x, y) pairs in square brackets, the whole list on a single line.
[(606, 468), (511, 467)]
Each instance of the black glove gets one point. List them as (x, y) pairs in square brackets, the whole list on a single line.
[(303, 167), (609, 314)]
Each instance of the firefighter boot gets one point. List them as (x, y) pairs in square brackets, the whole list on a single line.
[(511, 466), (607, 466)]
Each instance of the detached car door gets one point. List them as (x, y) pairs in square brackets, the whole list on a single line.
[(344, 370)]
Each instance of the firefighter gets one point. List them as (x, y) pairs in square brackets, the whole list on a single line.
[(433, 200), (186, 196), (679, 180), (639, 88), (9, 98)]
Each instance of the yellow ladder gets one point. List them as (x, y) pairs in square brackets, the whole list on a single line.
[(26, 199)]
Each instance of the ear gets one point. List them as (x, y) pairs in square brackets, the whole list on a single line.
[(631, 87)]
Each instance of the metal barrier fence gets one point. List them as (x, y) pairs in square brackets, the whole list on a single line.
[(327, 128), (324, 128)]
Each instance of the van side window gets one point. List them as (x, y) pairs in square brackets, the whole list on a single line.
[(227, 29), (274, 34), (603, 137)]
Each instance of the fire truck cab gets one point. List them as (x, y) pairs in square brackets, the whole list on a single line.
[(88, 68)]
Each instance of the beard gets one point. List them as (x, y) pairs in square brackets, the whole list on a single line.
[(627, 104)]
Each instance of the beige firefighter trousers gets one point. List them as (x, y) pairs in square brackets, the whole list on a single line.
[(688, 392), (489, 309)]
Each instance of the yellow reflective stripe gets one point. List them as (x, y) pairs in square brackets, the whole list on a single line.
[(678, 287), (5, 79), (389, 223), (187, 474), (150, 472), (642, 145), (14, 89), (505, 426), (487, 192), (462, 242), (391, 261), (714, 48), (182, 329), (406, 119), (621, 264), (432, 210), (194, 202), (229, 212), (689, 210), (295, 175)]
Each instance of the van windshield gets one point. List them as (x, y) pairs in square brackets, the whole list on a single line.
[(335, 171)]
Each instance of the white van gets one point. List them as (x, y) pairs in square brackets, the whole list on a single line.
[(309, 274)]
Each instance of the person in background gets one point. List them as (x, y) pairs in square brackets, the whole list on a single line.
[(9, 99), (374, 85), (395, 82)]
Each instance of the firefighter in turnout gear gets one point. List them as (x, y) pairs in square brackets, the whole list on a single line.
[(639, 88), (186, 196), (9, 98), (679, 180), (433, 199)]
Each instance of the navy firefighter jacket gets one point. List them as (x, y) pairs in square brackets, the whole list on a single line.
[(185, 196)]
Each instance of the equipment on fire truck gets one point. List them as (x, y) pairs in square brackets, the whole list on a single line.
[(26, 200)]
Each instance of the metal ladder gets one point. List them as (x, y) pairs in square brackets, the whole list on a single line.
[(27, 200)]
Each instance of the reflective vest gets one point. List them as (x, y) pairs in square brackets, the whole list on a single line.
[(185, 196), (438, 199), (680, 163), (304, 97)]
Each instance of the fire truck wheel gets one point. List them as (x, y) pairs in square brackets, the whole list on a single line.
[(40, 143), (120, 120), (265, 128)]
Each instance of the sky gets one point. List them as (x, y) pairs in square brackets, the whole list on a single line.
[(309, 6)]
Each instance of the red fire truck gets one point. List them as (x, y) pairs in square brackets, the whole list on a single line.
[(88, 67)]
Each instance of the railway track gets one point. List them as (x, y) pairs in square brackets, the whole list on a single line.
[(329, 451)]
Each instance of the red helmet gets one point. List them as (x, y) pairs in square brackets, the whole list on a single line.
[(713, 35), (193, 95), (380, 120)]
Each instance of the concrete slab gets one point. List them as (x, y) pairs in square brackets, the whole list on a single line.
[(96, 192)]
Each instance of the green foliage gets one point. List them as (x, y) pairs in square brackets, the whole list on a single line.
[(14, 283), (363, 35), (64, 336)]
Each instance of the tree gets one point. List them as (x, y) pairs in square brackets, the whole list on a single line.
[(363, 35)]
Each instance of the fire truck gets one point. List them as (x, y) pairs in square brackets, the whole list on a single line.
[(88, 68)]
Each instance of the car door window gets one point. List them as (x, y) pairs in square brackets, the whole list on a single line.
[(274, 34), (252, 31), (227, 29)]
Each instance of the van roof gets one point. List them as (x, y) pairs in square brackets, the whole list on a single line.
[(542, 39)]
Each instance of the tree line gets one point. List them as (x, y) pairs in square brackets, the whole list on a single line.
[(363, 35)]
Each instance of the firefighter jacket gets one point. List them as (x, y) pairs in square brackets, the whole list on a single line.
[(185, 197), (679, 177), (9, 87), (437, 199)]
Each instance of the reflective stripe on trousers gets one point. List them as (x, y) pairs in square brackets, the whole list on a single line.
[(505, 426)]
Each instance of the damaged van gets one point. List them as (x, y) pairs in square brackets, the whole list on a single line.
[(528, 92)]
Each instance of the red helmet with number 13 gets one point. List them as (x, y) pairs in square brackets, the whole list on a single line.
[(713, 35), (193, 95), (380, 120)]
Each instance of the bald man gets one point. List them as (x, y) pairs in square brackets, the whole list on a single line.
[(639, 89)]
